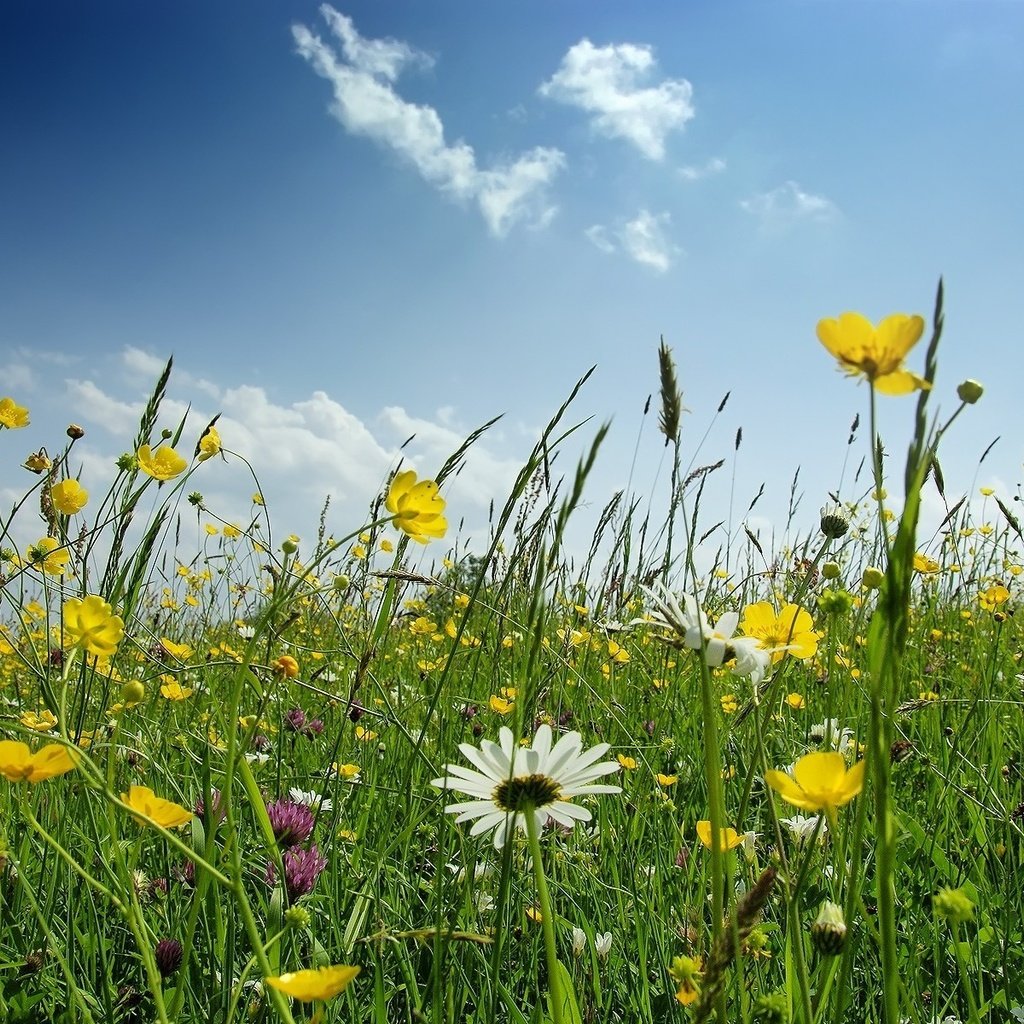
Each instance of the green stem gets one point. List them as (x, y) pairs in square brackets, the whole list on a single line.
[(547, 918)]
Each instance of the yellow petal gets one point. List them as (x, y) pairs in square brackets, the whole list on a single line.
[(15, 760), (898, 334), (53, 759), (308, 985), (820, 772), (902, 382), (787, 788)]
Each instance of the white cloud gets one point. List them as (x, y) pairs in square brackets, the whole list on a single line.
[(643, 239), (16, 377), (605, 81), (789, 203), (366, 104), (692, 172)]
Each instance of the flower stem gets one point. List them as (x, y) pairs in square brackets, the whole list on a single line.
[(547, 918)]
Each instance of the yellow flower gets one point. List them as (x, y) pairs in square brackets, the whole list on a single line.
[(347, 771), (38, 722), (68, 497), (38, 462), (231, 531), (792, 627), (151, 809), (796, 701), (285, 666), (500, 705), (877, 353), (175, 691), (365, 735), (19, 764), (666, 780), (92, 624), (993, 597), (820, 782), (925, 565), (48, 556), (163, 464), (534, 914), (627, 762), (209, 444), (182, 652), (12, 415), (321, 983), (417, 508), (386, 546), (729, 838), (686, 972)]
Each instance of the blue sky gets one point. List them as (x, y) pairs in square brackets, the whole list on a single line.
[(353, 224)]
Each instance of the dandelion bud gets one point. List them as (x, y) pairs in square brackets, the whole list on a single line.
[(297, 918), (168, 954), (74, 431), (953, 904), (132, 692), (833, 523), (830, 571), (969, 391), (829, 929), (873, 578)]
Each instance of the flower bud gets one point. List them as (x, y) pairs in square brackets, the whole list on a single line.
[(166, 435), (168, 954), (132, 692), (771, 1008), (828, 932), (953, 904), (341, 582), (969, 391), (297, 918), (833, 522), (830, 571), (290, 545), (74, 431), (873, 578)]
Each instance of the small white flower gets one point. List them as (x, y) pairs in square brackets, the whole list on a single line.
[(603, 944), (579, 941), (313, 800), (246, 632), (512, 781), (484, 902), (828, 734), (801, 827)]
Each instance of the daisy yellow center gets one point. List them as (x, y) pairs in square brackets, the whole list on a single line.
[(526, 791)]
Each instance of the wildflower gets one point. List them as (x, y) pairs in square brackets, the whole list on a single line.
[(92, 624), (416, 507), (877, 353), (12, 415), (994, 596), (829, 929), (321, 983), (925, 565), (69, 497), (168, 954), (209, 444), (313, 800), (969, 391), (514, 781), (149, 809), (835, 603), (347, 771), (163, 464), (37, 722), (820, 781), (302, 868), (834, 522), (48, 556), (298, 918), (292, 822), (796, 701), (831, 571), (685, 972), (579, 941), (365, 735), (729, 838), (730, 705), (953, 904), (19, 764), (791, 629), (666, 780), (603, 944), (173, 690), (500, 706), (535, 915), (38, 462), (627, 762), (285, 666), (802, 828), (829, 734)]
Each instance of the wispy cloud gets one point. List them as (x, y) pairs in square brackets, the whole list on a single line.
[(606, 82), (642, 239), (694, 172), (362, 76), (787, 204)]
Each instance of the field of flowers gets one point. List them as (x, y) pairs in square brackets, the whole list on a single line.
[(308, 780)]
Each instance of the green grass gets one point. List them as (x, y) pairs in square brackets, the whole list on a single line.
[(400, 666)]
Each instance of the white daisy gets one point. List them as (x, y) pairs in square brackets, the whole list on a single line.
[(313, 800), (513, 781)]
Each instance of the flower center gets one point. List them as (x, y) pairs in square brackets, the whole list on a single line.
[(526, 791)]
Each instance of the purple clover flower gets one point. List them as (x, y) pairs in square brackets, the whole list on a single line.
[(292, 823), (301, 870)]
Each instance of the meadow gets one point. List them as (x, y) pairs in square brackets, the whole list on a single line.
[(250, 779)]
